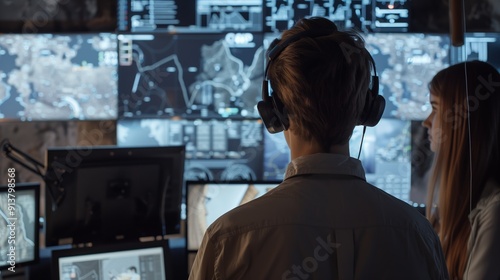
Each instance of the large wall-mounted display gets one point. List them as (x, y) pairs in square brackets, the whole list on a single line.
[(58, 76), (187, 75)]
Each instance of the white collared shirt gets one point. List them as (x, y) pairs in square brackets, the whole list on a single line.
[(324, 221)]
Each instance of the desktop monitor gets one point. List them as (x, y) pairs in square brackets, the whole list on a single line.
[(112, 194), (142, 260), (19, 220), (47, 77), (207, 201)]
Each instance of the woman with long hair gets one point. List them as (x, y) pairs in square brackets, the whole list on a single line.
[(464, 187)]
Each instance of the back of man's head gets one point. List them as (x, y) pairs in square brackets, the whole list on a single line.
[(322, 77)]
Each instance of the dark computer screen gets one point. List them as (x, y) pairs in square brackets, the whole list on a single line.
[(216, 150), (44, 16), (113, 194), (142, 260), (19, 220), (58, 76), (187, 75)]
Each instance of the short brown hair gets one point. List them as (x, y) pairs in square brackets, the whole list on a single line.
[(322, 81)]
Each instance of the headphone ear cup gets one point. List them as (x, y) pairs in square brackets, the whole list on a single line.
[(269, 117), (375, 111), (280, 111)]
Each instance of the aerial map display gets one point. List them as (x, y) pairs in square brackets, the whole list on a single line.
[(58, 77), (203, 75), (406, 64)]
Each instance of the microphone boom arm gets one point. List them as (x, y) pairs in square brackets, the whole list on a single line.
[(51, 181)]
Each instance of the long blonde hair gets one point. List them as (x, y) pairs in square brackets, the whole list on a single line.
[(452, 190)]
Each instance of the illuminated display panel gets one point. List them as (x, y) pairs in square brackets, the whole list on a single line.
[(478, 46), (367, 16), (58, 76), (190, 16), (22, 224), (191, 76)]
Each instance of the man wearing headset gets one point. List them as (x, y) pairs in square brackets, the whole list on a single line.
[(324, 221)]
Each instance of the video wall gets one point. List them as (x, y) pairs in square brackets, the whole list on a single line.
[(189, 73)]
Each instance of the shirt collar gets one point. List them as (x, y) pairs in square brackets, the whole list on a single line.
[(323, 163)]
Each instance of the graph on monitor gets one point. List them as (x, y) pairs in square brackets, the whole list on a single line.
[(181, 16)]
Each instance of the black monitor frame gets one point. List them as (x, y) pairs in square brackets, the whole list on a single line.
[(125, 204), (35, 187)]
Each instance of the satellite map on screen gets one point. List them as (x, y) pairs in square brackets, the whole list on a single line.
[(406, 64), (58, 77), (225, 150)]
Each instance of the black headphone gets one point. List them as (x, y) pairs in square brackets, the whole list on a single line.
[(273, 112)]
